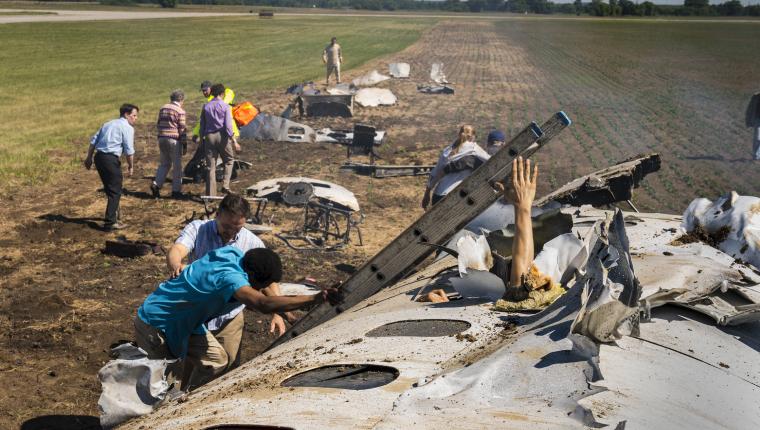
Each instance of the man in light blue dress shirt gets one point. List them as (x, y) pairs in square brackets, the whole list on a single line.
[(114, 138)]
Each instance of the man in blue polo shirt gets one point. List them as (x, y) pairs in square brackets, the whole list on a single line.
[(114, 138), (171, 321)]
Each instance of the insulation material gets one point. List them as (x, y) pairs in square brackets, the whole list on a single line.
[(132, 385), (343, 89), (371, 97), (399, 70), (732, 220), (473, 254), (370, 79), (537, 299)]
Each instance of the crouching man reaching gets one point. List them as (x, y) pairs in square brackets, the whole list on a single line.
[(171, 321)]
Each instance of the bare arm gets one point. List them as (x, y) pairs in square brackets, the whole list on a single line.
[(269, 304), (130, 164), (88, 160), (522, 194), (278, 322), (174, 259)]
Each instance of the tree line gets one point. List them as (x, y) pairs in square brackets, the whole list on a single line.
[(593, 8)]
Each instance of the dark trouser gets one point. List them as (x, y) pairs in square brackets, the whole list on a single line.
[(109, 169)]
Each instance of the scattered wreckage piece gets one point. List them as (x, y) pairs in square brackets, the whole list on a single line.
[(437, 75), (437, 225), (345, 137), (369, 79), (386, 171), (121, 247), (267, 127), (606, 186), (435, 89), (319, 105), (329, 211), (399, 70), (731, 222), (373, 97), (343, 89), (308, 88)]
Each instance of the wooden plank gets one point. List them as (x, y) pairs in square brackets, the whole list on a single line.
[(437, 225)]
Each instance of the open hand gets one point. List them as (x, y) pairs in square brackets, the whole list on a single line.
[(277, 324), (522, 190)]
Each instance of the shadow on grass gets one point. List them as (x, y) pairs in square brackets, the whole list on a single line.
[(144, 195), (89, 222), (62, 422)]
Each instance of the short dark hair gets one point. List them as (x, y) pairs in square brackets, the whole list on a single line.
[(127, 108), (264, 265), (235, 204), (217, 90)]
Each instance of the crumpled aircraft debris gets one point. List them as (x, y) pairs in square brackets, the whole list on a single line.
[(371, 97), (371, 78), (399, 70), (266, 127), (437, 75)]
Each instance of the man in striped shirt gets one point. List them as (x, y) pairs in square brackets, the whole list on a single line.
[(172, 134)]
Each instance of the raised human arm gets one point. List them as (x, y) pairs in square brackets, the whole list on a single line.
[(522, 194), (174, 259)]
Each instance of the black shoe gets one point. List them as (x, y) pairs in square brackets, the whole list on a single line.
[(155, 190), (226, 190), (177, 195), (114, 226)]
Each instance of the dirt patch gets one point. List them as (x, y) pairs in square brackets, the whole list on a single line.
[(699, 234)]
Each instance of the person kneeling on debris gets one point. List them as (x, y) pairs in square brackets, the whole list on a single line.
[(457, 162), (170, 322)]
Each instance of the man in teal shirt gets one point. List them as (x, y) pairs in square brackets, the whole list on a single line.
[(170, 322)]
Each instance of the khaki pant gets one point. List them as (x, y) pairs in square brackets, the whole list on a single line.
[(333, 68), (171, 156), (215, 145), (207, 356)]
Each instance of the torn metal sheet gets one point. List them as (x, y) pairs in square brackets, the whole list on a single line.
[(272, 189), (733, 221), (328, 105), (609, 185), (372, 97), (399, 70), (386, 171), (370, 79), (344, 89), (435, 89), (344, 137), (267, 127), (437, 75)]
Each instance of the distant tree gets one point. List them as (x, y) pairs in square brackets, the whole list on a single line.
[(539, 6), (578, 7), (731, 8), (167, 3), (753, 10), (648, 8), (627, 7), (476, 5), (517, 6), (599, 9)]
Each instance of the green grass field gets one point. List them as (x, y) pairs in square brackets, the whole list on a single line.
[(62, 80)]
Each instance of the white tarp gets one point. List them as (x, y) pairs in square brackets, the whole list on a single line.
[(371, 97), (131, 385), (399, 70), (370, 78), (740, 213)]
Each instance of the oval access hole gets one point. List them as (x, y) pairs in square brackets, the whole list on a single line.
[(345, 376), (420, 328)]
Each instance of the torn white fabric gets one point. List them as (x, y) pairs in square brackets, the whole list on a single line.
[(131, 385), (371, 97), (370, 78), (740, 213), (474, 254)]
